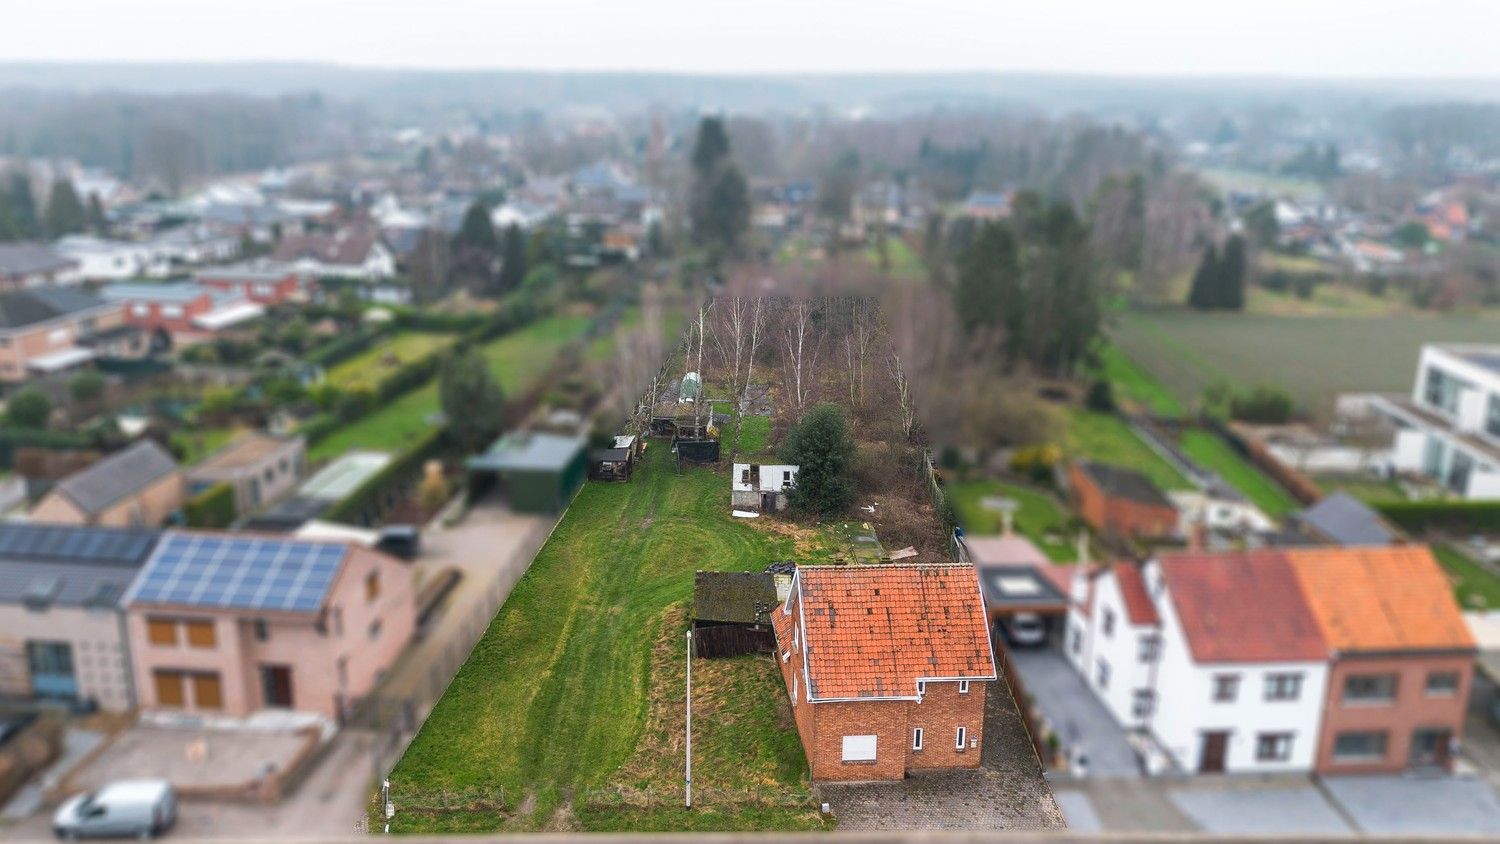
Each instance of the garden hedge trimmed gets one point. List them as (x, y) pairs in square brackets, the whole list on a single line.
[(211, 508), (1449, 516)]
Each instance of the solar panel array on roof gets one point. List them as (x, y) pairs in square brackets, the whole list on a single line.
[(75, 544), (239, 572)]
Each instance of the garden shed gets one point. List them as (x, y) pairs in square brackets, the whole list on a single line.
[(732, 613), (538, 472)]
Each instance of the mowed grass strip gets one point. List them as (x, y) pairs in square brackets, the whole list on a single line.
[(553, 699), (1474, 586), (517, 360), (755, 434), (1039, 516), (369, 367), (1214, 454), (1136, 384), (1105, 438)]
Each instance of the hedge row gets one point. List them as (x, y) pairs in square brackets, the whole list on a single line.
[(12, 438), (1449, 516), (211, 508), (383, 490), (345, 347)]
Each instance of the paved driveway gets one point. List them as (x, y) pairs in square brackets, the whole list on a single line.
[(1226, 807), (1412, 805), (1079, 718)]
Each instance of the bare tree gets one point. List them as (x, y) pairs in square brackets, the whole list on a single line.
[(903, 395), (797, 333), (757, 319)]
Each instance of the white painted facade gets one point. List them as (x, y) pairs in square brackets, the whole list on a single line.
[(113, 260), (1187, 709), (1449, 428), (1163, 692)]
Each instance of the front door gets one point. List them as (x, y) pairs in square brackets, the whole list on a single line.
[(1215, 748), (276, 686), (768, 502), (1429, 747)]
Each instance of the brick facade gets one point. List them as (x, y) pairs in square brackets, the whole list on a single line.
[(1412, 708), (1115, 514)]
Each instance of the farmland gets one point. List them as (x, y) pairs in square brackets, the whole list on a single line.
[(1312, 357), (566, 705)]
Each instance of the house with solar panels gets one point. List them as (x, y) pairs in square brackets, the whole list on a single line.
[(238, 623), (61, 627)]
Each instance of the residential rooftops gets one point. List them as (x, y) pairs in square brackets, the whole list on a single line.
[(117, 476), (874, 631), (1121, 482), (534, 451), (238, 571), (26, 258), (1380, 599), (60, 564), (249, 449), (1242, 607), (21, 308), (1345, 520), (741, 597)]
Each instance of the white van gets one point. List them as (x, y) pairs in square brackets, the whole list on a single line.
[(139, 808)]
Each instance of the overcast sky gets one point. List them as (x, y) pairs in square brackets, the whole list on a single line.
[(1154, 37)]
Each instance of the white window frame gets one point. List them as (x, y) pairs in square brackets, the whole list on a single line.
[(963, 687), (921, 688), (916, 738), (859, 748), (796, 688), (961, 738)]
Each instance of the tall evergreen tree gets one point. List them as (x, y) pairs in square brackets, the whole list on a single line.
[(475, 249), (98, 222), (989, 279), (472, 400), (719, 204), (822, 446), (65, 213), (512, 259), (1233, 268), (1204, 293), (22, 205)]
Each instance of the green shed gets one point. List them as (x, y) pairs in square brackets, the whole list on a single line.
[(537, 472)]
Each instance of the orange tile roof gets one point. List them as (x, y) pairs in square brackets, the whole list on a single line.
[(1138, 604), (873, 631), (1380, 599)]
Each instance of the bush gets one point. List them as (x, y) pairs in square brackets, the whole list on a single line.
[(1262, 404), (1452, 516), (1100, 397), (211, 508), (28, 408), (823, 449), (1036, 462)]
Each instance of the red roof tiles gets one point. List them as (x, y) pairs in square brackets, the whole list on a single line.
[(1242, 607), (874, 631), (1138, 604)]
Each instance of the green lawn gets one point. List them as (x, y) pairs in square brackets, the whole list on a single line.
[(1473, 585), (1104, 437), (755, 434), (197, 443), (1136, 384), (904, 260), (557, 707), (369, 367), (516, 360), (1212, 453), (1039, 518), (1312, 357), (522, 356), (1367, 489)]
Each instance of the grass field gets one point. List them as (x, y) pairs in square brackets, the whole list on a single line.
[(1313, 358), (1473, 585), (1106, 438), (385, 357), (1366, 489), (1039, 518), (516, 360), (1252, 181), (755, 434), (904, 260), (1136, 385), (1212, 453), (557, 705)]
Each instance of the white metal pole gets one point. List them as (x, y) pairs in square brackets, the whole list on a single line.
[(688, 779), (385, 804)]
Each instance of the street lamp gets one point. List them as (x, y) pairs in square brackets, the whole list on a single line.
[(688, 775)]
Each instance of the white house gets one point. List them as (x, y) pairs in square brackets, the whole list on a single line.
[(1215, 661), (113, 260), (761, 488), (1449, 427), (348, 253)]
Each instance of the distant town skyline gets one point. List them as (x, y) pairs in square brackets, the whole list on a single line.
[(1327, 38)]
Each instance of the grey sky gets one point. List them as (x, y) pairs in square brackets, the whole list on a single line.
[(1183, 37)]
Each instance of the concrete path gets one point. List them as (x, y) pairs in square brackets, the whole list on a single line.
[(1415, 805), (1075, 713), (28, 798), (1250, 808)]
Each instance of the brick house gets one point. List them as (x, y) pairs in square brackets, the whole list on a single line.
[(138, 486), (262, 468), (262, 282), (1403, 658), (886, 667), (51, 329), (236, 623), (184, 311), (1120, 502)]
